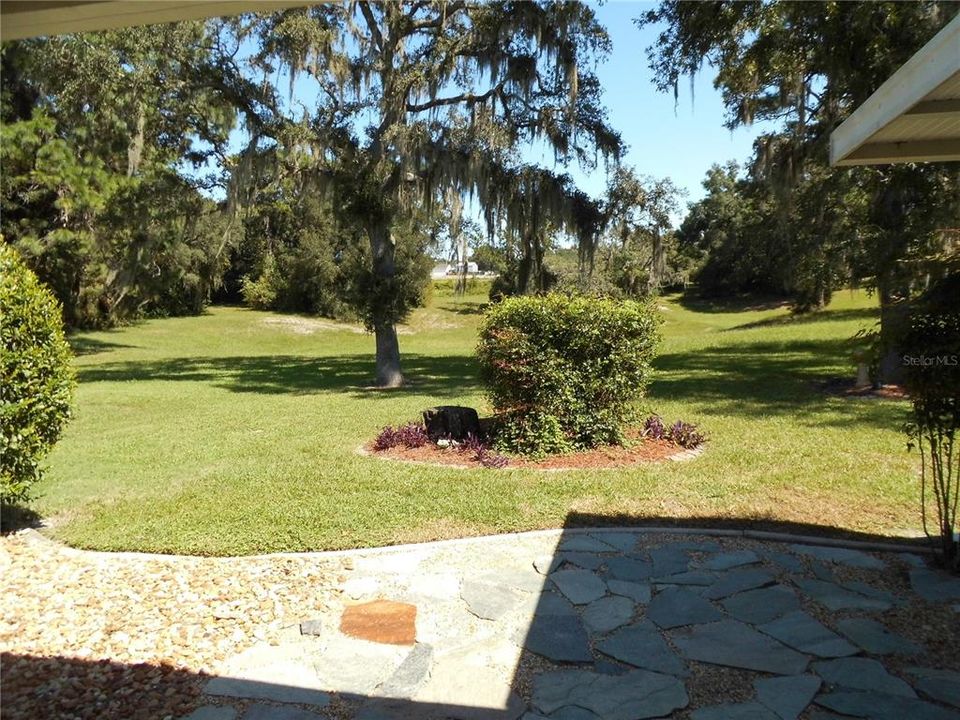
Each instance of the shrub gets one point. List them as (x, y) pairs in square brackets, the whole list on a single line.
[(261, 294), (482, 453), (411, 435), (680, 433), (654, 428), (685, 435), (36, 378), (930, 342), (563, 373)]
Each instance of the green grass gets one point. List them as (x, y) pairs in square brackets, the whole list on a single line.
[(232, 434)]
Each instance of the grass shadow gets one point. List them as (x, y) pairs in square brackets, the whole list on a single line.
[(91, 346), (758, 524), (467, 307), (14, 517), (808, 318), (746, 303), (767, 378), (444, 376)]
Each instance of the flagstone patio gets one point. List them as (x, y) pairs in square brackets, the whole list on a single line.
[(619, 626), (562, 625)]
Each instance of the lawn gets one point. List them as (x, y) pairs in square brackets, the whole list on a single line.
[(236, 433)]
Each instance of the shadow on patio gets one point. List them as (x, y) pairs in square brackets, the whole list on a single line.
[(586, 623)]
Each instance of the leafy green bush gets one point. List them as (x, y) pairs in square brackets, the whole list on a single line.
[(930, 343), (36, 378), (563, 373), (261, 294)]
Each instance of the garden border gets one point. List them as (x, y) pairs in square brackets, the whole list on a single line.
[(34, 536)]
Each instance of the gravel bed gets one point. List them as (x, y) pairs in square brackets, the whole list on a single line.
[(100, 635)]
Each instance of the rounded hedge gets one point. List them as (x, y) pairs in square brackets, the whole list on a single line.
[(564, 373), (36, 377)]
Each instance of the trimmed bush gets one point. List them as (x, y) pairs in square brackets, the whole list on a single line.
[(36, 378), (564, 373)]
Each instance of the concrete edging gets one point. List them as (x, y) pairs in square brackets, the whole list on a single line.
[(764, 536)]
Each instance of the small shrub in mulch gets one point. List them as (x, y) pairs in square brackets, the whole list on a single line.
[(681, 433), (411, 435), (653, 442)]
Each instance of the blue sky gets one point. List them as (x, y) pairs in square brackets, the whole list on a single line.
[(680, 140)]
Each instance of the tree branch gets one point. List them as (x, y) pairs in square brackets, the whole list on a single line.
[(371, 23), (468, 98)]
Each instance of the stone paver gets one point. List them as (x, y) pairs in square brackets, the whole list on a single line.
[(489, 602), (735, 644), (862, 674), (561, 638), (875, 638), (608, 613), (835, 597), (382, 621), (643, 646), (690, 577), (637, 591), (585, 543), (472, 682), (735, 711), (762, 605), (730, 560), (411, 674), (634, 695), (628, 568), (585, 560), (934, 587), (669, 560), (677, 606), (787, 561), (546, 564), (942, 685), (787, 696), (525, 578), (876, 706), (735, 581), (623, 541), (806, 634), (579, 586)]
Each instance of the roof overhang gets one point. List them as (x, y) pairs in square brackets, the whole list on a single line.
[(34, 18), (914, 116)]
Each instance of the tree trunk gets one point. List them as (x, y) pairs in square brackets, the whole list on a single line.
[(388, 356), (382, 248), (525, 266), (893, 315)]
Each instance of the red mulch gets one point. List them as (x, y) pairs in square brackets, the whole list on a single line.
[(614, 456)]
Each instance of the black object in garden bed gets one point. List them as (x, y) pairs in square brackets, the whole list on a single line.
[(452, 422)]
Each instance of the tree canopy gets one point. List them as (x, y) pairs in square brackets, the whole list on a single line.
[(806, 67)]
